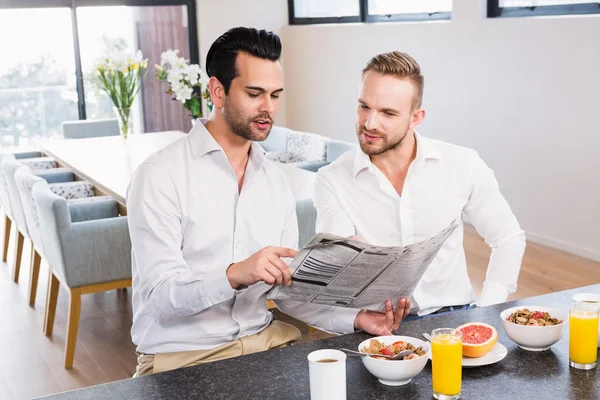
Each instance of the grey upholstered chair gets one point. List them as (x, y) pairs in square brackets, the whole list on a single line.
[(25, 178), (13, 207), (5, 199), (88, 248), (90, 128)]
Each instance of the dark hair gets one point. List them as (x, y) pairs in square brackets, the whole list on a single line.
[(221, 57)]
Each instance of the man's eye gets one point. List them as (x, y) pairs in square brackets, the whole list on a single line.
[(252, 95), (275, 96), (364, 107)]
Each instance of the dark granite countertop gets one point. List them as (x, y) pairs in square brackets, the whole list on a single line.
[(283, 373)]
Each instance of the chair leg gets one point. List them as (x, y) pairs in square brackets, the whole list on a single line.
[(7, 232), (36, 260), (18, 254), (51, 299), (73, 325)]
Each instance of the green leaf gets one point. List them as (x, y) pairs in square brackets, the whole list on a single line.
[(195, 107)]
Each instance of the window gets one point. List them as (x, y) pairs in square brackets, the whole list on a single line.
[(411, 10), (339, 11), (525, 8), (37, 75), (319, 11), (46, 79)]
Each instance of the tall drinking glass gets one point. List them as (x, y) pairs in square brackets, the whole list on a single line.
[(583, 335), (446, 359)]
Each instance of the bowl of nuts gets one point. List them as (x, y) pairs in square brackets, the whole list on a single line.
[(534, 328)]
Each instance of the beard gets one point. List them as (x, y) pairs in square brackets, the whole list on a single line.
[(383, 145), (242, 126)]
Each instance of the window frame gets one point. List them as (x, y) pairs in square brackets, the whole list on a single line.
[(74, 4), (364, 16), (495, 11)]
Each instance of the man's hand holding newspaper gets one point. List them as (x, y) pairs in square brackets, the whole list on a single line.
[(382, 323)]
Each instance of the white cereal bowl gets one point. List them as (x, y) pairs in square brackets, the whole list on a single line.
[(535, 338), (396, 372)]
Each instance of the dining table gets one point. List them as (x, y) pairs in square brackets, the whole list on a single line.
[(108, 163), (284, 374)]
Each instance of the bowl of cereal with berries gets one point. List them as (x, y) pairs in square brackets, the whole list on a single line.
[(394, 372), (534, 328)]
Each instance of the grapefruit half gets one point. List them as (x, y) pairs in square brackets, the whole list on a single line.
[(478, 339)]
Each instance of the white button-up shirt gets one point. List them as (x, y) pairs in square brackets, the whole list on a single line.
[(188, 222), (444, 183)]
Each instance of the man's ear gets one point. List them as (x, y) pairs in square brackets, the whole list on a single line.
[(417, 117), (217, 92)]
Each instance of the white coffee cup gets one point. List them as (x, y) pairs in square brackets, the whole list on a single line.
[(327, 379), (590, 298)]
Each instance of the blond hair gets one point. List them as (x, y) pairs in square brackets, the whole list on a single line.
[(400, 65)]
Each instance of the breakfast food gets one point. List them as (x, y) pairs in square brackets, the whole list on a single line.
[(377, 347), (533, 318), (478, 339)]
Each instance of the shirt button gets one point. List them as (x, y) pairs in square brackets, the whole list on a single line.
[(229, 174)]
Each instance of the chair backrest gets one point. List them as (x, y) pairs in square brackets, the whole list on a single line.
[(9, 165), (53, 215), (25, 179), (27, 154), (336, 148), (87, 252), (307, 220), (4, 195), (277, 140), (90, 128)]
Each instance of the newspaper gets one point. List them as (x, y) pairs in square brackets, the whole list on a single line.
[(336, 271)]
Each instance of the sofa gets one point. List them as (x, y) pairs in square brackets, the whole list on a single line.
[(304, 150)]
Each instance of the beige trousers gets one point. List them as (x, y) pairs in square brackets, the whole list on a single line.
[(278, 334)]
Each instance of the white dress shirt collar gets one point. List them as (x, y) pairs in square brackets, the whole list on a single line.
[(202, 142), (425, 151)]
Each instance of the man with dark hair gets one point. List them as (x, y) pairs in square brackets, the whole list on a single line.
[(210, 221)]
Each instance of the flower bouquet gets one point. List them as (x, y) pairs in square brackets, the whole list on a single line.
[(188, 84), (120, 75)]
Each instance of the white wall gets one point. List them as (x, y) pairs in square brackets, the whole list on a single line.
[(524, 92), (215, 17)]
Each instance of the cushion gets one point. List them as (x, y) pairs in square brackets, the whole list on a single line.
[(280, 156), (307, 146)]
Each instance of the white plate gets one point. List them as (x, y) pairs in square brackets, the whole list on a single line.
[(497, 354)]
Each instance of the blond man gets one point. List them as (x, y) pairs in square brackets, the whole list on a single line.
[(401, 188)]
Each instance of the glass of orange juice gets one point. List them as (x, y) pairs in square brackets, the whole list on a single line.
[(583, 335), (446, 360)]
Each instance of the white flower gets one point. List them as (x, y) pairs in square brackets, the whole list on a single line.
[(169, 57), (183, 94), (180, 63), (175, 75), (113, 61), (138, 58), (204, 78), (176, 86), (193, 73)]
